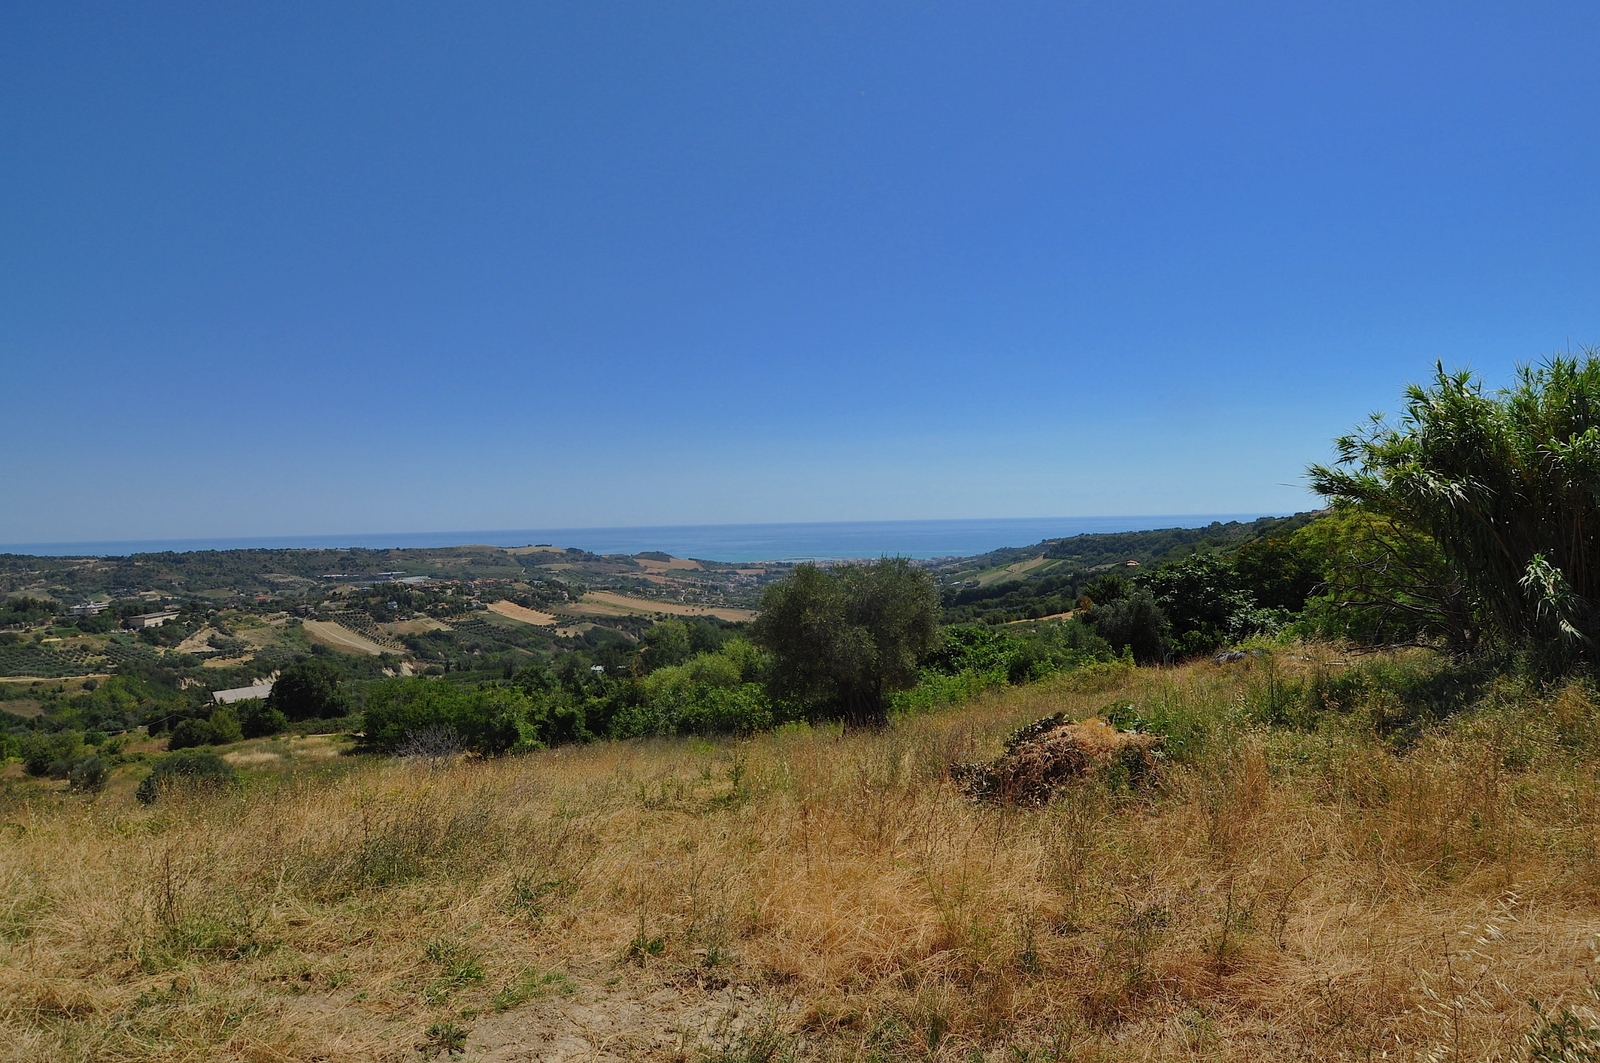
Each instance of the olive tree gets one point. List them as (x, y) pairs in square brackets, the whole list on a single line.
[(842, 639)]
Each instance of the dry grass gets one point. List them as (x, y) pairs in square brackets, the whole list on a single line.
[(522, 613), (808, 894)]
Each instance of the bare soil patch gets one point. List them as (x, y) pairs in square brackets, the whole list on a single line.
[(682, 564), (70, 682)]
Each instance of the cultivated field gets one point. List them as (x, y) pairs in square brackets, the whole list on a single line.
[(340, 637), (522, 613), (610, 603), (1275, 893)]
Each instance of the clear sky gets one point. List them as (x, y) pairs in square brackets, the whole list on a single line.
[(272, 269)]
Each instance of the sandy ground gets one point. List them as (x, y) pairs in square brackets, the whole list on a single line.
[(522, 613), (611, 1019), (610, 603), (341, 638)]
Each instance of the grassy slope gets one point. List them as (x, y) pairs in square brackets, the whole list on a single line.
[(1280, 894)]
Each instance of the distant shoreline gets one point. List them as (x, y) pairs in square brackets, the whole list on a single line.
[(819, 540)]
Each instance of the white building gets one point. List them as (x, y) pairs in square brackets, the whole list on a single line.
[(254, 690), (144, 620)]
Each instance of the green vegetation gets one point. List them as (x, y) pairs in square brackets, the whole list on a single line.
[(1473, 519), (843, 640), (311, 689), (190, 771)]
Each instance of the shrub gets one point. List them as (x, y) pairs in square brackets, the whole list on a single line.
[(488, 719), (1134, 622), (220, 728), (191, 733), (89, 775), (258, 720), (225, 725), (50, 755), (186, 770)]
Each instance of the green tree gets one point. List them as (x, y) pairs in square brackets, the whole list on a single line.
[(842, 640), (1207, 604), (1134, 622), (1505, 486), (666, 644), (311, 689), (1385, 584)]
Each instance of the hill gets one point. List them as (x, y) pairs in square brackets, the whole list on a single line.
[(1293, 884)]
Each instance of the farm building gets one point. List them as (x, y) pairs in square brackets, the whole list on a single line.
[(144, 620), (228, 697)]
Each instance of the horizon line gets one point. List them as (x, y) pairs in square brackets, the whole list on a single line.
[(346, 540)]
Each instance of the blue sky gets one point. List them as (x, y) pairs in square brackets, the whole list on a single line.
[(280, 269)]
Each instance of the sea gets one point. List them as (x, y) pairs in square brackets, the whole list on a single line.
[(810, 541)]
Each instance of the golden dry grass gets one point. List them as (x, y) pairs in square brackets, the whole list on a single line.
[(1277, 895), (522, 613)]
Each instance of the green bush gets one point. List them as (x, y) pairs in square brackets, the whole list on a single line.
[(1400, 697), (487, 720), (225, 725), (189, 770), (220, 728), (1135, 622), (191, 733), (89, 775), (259, 720), (50, 755)]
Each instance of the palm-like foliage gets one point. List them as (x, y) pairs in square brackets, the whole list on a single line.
[(1506, 485)]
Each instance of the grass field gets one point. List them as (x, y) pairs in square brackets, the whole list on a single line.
[(1275, 893)]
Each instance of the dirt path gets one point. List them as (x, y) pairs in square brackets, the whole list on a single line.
[(342, 638), (522, 613)]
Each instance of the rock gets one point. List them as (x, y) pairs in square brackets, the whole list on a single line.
[(1050, 752), (1229, 656)]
